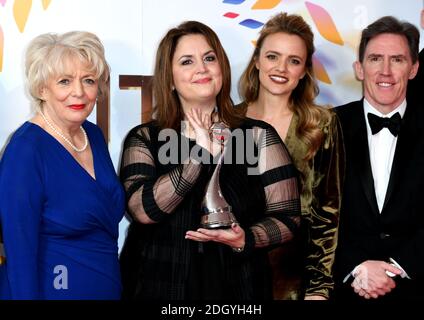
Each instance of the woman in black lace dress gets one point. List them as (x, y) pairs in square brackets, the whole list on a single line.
[(167, 164)]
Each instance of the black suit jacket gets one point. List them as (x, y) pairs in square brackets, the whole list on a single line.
[(398, 231), (415, 86)]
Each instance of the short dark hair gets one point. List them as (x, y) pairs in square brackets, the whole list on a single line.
[(390, 24)]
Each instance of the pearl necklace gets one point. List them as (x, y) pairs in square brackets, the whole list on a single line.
[(60, 134)]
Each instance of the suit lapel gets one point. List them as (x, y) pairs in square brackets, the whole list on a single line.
[(360, 150), (404, 148)]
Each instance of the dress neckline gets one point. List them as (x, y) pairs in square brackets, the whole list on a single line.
[(66, 151)]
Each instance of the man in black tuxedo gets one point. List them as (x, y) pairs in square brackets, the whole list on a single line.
[(381, 236), (416, 86)]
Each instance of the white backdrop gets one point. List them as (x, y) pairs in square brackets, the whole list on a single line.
[(131, 30)]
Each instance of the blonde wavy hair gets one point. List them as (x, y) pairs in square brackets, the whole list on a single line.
[(303, 96), (49, 54)]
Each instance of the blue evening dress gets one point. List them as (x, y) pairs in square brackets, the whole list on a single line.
[(60, 225)]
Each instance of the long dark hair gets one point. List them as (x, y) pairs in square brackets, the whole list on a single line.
[(167, 108)]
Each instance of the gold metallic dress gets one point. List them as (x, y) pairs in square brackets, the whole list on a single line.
[(305, 266)]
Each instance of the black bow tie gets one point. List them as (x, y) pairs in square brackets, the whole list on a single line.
[(377, 123)]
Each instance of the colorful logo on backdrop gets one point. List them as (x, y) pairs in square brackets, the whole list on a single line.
[(321, 18), (21, 11)]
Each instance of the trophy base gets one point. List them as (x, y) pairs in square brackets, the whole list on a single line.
[(218, 220)]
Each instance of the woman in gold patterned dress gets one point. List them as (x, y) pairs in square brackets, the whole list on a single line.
[(278, 87)]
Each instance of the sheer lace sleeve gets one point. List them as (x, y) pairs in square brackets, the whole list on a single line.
[(279, 178), (150, 197)]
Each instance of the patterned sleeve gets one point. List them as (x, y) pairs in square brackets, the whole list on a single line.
[(150, 197), (329, 162), (279, 178)]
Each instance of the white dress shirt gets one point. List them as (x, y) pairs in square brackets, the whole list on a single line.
[(382, 146)]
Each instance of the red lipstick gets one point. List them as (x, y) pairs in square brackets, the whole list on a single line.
[(77, 106)]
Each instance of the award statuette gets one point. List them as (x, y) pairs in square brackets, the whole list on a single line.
[(216, 212)]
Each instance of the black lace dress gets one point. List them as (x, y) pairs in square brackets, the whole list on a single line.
[(259, 182)]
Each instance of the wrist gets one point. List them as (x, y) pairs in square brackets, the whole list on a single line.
[(315, 297), (238, 249)]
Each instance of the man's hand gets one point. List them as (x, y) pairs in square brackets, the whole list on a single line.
[(371, 279)]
